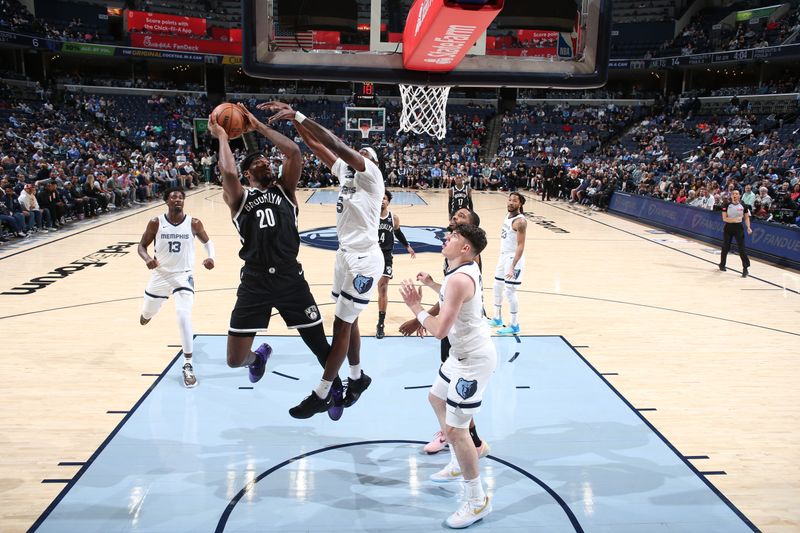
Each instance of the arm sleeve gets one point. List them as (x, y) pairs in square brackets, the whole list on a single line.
[(400, 237)]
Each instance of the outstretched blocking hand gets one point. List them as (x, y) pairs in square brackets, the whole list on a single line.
[(425, 279), (251, 122), (412, 295)]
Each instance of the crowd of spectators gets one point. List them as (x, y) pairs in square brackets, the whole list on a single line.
[(700, 37), (84, 154), (77, 159)]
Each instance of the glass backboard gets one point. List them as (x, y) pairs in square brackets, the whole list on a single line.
[(527, 45)]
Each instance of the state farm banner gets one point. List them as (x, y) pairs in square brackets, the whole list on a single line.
[(163, 23), (183, 44)]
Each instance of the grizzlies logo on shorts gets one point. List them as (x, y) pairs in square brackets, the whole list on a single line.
[(465, 388), (362, 284)]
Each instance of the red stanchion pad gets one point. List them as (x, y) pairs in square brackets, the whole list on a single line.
[(438, 33)]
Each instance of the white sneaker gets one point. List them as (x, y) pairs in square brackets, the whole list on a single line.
[(189, 379), (451, 472), (468, 514)]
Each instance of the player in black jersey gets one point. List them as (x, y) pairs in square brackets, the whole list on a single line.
[(388, 229), (413, 327), (460, 195), (265, 215)]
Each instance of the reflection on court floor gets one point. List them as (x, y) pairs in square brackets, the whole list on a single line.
[(568, 453)]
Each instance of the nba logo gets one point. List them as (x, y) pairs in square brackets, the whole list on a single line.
[(565, 49)]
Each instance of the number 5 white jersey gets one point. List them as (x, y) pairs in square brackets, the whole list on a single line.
[(174, 245)]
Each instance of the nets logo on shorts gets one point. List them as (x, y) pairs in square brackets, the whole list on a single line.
[(362, 284), (312, 312), (421, 238), (465, 388)]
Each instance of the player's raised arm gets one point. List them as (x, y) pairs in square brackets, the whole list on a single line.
[(322, 134), (232, 190), (292, 157)]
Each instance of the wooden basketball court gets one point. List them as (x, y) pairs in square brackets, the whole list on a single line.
[(707, 357)]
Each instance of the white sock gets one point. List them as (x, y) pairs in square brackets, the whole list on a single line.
[(474, 491), (514, 319), (188, 360), (453, 458), (355, 371), (323, 389), (498, 313)]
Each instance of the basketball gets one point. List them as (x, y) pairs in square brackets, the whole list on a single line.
[(231, 118)]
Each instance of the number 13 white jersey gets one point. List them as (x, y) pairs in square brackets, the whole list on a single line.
[(174, 245)]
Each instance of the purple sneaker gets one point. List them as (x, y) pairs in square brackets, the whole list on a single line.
[(337, 400), (257, 369)]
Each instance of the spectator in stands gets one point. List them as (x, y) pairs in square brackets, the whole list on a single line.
[(25, 218), (50, 199), (42, 217), (749, 197)]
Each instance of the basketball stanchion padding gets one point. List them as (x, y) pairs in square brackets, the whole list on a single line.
[(438, 33), (424, 109)]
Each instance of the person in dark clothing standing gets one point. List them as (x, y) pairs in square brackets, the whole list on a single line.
[(460, 195), (265, 215), (733, 215), (388, 229)]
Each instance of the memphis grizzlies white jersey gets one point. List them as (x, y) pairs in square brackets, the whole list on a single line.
[(508, 235), (470, 332), (174, 245), (358, 208)]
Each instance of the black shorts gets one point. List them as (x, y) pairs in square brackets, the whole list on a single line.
[(258, 293), (387, 263)]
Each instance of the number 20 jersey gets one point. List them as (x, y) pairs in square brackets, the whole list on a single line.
[(267, 226)]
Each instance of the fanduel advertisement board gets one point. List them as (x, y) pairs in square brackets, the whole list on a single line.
[(774, 242)]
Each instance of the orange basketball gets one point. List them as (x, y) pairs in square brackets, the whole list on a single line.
[(231, 118)]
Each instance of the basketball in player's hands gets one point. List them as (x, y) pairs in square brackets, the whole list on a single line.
[(231, 119)]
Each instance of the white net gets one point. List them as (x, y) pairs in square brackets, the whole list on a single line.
[(424, 109)]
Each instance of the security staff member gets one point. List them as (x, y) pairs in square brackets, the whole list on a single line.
[(733, 216)]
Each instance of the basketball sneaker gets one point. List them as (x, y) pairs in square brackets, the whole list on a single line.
[(436, 445), (379, 334), (258, 368), (189, 379), (495, 323), (354, 389), (337, 400), (510, 330), (312, 405), (451, 472), (469, 513)]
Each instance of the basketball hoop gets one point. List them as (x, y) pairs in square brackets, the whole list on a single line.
[(365, 129), (424, 109)]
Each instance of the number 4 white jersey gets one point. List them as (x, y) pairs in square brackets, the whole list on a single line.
[(174, 245)]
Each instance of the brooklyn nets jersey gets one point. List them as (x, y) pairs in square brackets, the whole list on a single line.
[(460, 198), (508, 235), (267, 226), (358, 208), (174, 245), (386, 233), (470, 331)]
